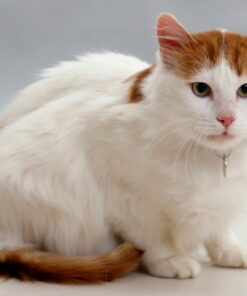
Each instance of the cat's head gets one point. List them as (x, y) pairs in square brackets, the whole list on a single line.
[(209, 82)]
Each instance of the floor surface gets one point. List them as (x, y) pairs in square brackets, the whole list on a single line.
[(211, 282)]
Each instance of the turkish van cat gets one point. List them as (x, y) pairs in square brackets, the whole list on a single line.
[(109, 149)]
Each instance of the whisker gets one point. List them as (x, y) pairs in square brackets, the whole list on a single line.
[(176, 127), (189, 149), (179, 151)]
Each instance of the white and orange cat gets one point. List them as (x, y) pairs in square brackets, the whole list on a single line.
[(107, 149)]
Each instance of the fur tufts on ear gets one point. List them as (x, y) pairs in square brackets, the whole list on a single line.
[(171, 37)]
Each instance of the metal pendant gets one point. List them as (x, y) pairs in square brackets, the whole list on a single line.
[(224, 163)]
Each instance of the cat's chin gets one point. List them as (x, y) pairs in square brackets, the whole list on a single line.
[(220, 142)]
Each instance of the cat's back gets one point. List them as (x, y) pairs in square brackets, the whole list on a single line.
[(98, 66), (99, 74)]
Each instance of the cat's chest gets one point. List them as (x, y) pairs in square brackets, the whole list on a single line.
[(198, 202), (208, 182), (204, 167), (197, 179)]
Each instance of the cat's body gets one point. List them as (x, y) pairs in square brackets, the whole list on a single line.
[(55, 122), (84, 162)]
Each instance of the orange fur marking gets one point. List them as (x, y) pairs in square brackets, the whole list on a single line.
[(236, 52), (204, 50), (207, 48), (135, 94), (30, 264)]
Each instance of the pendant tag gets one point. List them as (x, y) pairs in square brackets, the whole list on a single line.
[(224, 163)]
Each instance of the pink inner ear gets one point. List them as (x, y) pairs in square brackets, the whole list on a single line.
[(170, 43), (171, 36)]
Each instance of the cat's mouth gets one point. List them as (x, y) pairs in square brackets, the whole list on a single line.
[(221, 141), (221, 137)]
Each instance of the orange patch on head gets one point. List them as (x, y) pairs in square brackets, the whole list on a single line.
[(186, 54), (203, 51), (207, 49), (236, 52)]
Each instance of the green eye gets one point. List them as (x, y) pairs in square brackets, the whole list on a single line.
[(201, 89), (242, 91)]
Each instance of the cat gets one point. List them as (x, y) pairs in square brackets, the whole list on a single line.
[(109, 149)]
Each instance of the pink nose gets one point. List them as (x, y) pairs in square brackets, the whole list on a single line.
[(226, 120)]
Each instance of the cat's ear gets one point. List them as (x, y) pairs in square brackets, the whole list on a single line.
[(171, 37)]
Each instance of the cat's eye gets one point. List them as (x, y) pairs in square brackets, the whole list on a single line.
[(242, 91), (201, 89)]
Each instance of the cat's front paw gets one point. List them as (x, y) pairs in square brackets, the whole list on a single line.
[(181, 267), (234, 257)]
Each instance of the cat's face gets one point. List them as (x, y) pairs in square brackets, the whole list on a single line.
[(217, 98), (211, 73)]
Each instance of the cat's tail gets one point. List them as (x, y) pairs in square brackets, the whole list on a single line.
[(30, 264)]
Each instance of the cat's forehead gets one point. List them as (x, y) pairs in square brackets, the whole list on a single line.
[(209, 49), (222, 79), (222, 71)]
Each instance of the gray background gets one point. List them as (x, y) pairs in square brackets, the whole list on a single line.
[(37, 33)]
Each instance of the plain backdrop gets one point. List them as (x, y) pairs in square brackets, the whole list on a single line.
[(35, 34)]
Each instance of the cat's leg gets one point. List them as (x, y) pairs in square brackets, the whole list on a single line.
[(167, 262), (154, 235), (161, 258), (165, 256), (225, 250)]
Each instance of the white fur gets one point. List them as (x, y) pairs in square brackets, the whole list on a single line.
[(80, 165)]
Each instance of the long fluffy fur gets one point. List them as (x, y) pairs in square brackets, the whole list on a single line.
[(94, 151), (29, 264)]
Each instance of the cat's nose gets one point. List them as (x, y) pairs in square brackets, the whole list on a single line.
[(226, 120)]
